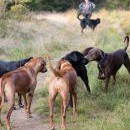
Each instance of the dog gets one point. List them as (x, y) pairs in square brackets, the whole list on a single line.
[(23, 81), (78, 62), (63, 82), (92, 23), (110, 63), (7, 66), (100, 74)]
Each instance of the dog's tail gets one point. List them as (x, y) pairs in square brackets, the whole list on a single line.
[(78, 17), (127, 42), (54, 71)]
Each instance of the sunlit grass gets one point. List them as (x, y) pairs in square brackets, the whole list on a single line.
[(58, 34)]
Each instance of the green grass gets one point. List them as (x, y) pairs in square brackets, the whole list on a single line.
[(44, 33)]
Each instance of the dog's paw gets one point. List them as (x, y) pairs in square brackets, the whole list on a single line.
[(21, 106), (29, 115), (15, 108), (75, 113), (52, 128)]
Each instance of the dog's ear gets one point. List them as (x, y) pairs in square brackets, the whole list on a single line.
[(86, 51), (59, 64), (73, 57), (30, 58), (101, 53)]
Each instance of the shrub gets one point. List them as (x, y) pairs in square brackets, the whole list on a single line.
[(19, 8), (125, 25)]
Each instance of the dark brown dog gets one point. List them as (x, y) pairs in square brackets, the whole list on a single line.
[(22, 81), (110, 63), (63, 82), (86, 51)]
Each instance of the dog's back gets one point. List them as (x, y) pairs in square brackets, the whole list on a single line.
[(93, 23), (66, 74), (7, 66)]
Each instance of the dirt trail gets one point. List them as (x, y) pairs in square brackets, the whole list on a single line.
[(21, 122)]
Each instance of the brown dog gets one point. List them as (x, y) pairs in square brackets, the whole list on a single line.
[(22, 81), (63, 82), (110, 63), (85, 53)]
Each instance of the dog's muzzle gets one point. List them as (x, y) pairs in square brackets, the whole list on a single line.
[(44, 70), (84, 61), (86, 57)]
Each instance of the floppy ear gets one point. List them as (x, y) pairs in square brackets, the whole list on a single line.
[(101, 54), (59, 64), (74, 57), (86, 51), (30, 58)]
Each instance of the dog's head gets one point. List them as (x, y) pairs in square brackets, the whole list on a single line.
[(98, 20), (94, 54), (76, 58), (85, 52), (38, 64), (64, 64)]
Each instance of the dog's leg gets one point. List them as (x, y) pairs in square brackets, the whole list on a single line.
[(20, 101), (29, 102), (10, 94), (25, 103), (84, 77), (107, 83), (61, 105), (114, 79), (51, 104), (70, 101), (74, 96), (0, 108), (65, 103), (127, 63), (82, 30)]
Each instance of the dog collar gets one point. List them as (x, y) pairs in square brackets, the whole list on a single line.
[(103, 58)]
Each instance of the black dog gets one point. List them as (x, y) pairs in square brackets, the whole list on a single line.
[(92, 23), (78, 62), (7, 66)]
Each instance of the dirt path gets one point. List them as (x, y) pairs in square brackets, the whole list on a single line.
[(20, 121)]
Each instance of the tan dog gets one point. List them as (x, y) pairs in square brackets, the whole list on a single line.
[(22, 81), (63, 82)]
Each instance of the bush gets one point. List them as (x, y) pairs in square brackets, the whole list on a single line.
[(63, 5), (19, 8)]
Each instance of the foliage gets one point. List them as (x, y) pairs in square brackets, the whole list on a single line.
[(57, 34), (125, 26), (62, 5)]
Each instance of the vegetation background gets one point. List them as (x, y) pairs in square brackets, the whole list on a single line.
[(36, 27), (62, 5)]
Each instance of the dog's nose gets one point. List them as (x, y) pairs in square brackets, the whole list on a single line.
[(85, 61), (45, 70)]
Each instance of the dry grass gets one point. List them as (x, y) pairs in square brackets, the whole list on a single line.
[(58, 34)]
